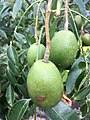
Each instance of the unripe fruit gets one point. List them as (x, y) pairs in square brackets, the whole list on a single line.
[(64, 48), (86, 39), (45, 85), (33, 51), (78, 20)]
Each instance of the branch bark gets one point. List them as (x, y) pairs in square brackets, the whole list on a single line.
[(66, 15), (48, 12)]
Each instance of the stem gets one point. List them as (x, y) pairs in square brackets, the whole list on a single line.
[(48, 12), (36, 25), (35, 113), (59, 4), (39, 41), (66, 15), (24, 14), (80, 15), (80, 41), (41, 34)]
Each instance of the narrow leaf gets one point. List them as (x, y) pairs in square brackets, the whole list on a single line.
[(10, 95), (12, 54), (82, 93), (20, 38), (11, 78), (74, 74), (18, 109), (14, 68), (82, 7), (61, 112), (16, 8), (53, 28), (84, 109), (3, 34)]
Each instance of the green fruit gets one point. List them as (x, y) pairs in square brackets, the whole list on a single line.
[(64, 48), (44, 84), (35, 51), (78, 20), (86, 39)]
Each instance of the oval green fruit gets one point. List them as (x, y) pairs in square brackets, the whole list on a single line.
[(64, 48), (78, 20), (44, 84), (33, 51), (86, 39)]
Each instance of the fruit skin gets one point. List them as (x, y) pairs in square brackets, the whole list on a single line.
[(64, 48), (78, 20), (32, 53), (86, 39), (44, 81)]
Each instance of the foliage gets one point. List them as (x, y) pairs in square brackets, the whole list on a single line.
[(15, 38)]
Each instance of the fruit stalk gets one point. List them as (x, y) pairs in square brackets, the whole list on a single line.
[(59, 4), (48, 12), (66, 15), (36, 24)]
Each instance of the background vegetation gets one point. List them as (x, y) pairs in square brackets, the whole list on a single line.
[(17, 22)]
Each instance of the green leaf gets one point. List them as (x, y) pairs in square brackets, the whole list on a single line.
[(18, 109), (12, 55), (10, 76), (53, 28), (81, 94), (74, 74), (16, 8), (54, 3), (84, 109), (10, 95), (82, 7), (20, 38), (3, 34), (64, 75), (1, 5), (14, 68), (22, 88), (61, 112), (30, 111), (4, 85)]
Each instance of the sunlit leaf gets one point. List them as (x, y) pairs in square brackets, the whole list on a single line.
[(10, 95), (16, 8), (20, 38)]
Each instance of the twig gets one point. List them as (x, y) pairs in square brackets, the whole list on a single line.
[(66, 15), (48, 12), (36, 24), (80, 15), (59, 4), (25, 14), (39, 41), (80, 41), (35, 113)]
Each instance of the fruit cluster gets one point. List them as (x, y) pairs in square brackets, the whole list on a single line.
[(44, 82)]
